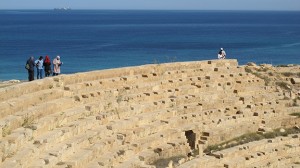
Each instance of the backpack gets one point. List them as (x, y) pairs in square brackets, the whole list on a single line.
[(37, 64), (27, 66)]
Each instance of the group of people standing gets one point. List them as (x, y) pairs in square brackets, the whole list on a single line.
[(45, 64), (41, 65)]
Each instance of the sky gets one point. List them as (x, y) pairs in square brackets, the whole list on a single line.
[(154, 4)]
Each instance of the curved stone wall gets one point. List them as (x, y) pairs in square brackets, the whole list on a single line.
[(142, 116)]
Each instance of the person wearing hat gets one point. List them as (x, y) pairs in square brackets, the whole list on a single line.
[(47, 66), (221, 54), (56, 65)]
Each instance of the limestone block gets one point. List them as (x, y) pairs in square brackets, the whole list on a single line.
[(17, 139), (10, 123), (141, 131), (131, 162), (105, 160), (39, 163), (49, 137), (92, 108), (24, 156), (11, 164), (148, 156), (79, 159), (4, 150), (49, 160), (68, 94), (156, 88), (184, 75), (5, 109)]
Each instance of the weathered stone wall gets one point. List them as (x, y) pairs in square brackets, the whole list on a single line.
[(135, 116)]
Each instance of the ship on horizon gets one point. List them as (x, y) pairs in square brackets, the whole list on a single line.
[(62, 9)]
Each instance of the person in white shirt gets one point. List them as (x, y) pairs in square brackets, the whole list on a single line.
[(222, 54), (39, 67)]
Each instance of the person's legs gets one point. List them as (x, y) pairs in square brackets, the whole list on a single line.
[(31, 75), (41, 73), (37, 73)]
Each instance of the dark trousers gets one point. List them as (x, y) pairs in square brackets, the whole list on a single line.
[(55, 74), (30, 75), (47, 70), (47, 73)]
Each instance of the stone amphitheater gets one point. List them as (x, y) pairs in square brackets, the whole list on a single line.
[(187, 114)]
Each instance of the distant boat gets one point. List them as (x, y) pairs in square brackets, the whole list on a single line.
[(62, 9)]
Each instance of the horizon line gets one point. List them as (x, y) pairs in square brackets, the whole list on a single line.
[(162, 9)]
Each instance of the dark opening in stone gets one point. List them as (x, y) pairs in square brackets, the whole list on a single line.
[(191, 138)]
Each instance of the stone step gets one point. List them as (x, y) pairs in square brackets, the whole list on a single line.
[(26, 88), (64, 149), (256, 153), (134, 134), (135, 100), (22, 158), (28, 118), (57, 120), (88, 84), (64, 135), (79, 159), (24, 102), (177, 148), (131, 162)]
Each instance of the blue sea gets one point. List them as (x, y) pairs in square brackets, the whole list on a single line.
[(102, 39)]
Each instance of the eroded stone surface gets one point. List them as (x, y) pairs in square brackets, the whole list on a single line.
[(147, 116)]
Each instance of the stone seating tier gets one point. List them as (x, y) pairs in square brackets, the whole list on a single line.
[(281, 151)]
